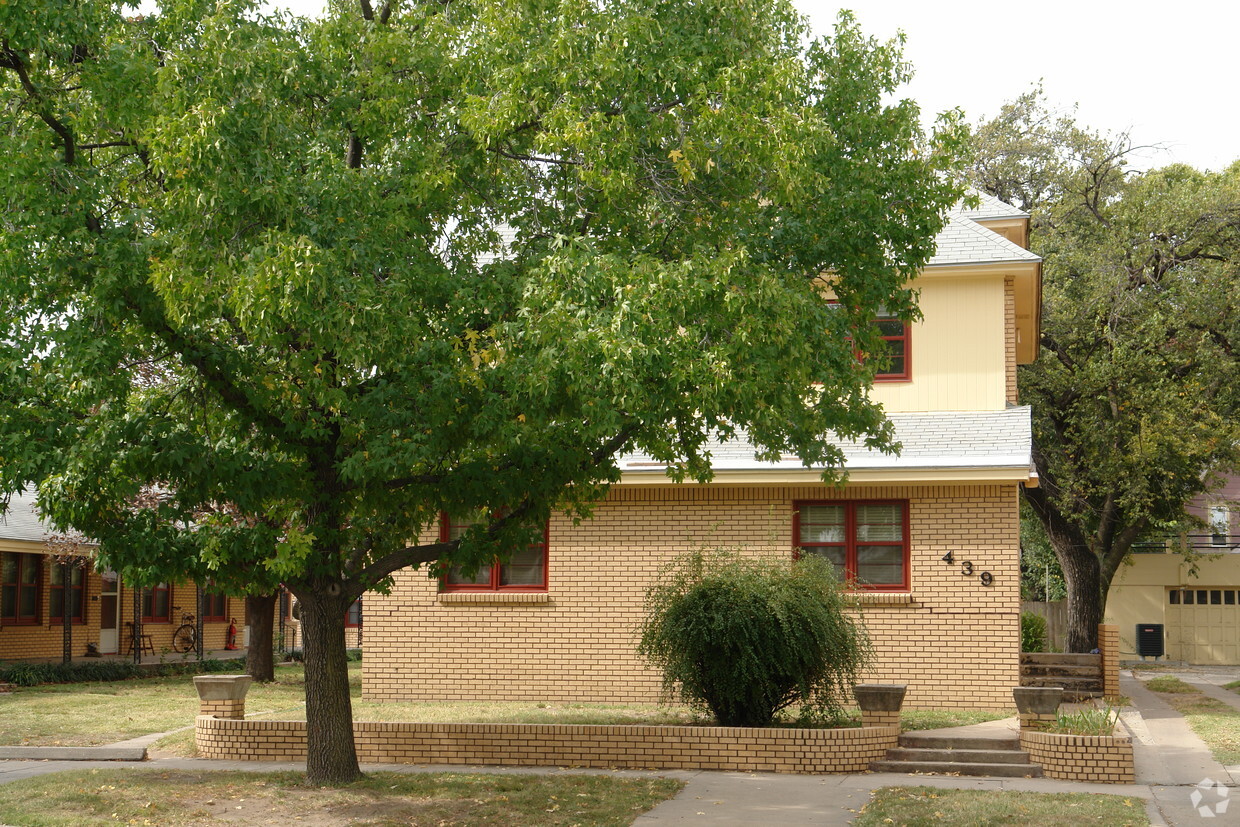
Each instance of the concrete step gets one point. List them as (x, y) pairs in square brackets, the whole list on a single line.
[(960, 768), (914, 740), (1068, 659), (966, 756)]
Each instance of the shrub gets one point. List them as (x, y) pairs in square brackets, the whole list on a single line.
[(103, 671), (1086, 721), (743, 638), (1032, 632)]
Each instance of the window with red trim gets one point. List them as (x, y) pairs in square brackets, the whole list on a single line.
[(157, 604), (866, 541), (76, 593), (525, 570), (19, 588), (894, 332), (353, 615), (215, 607), (896, 355)]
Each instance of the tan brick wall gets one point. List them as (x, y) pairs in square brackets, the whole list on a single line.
[(1009, 340), (222, 708), (1096, 758), (625, 747), (954, 641), (1108, 649)]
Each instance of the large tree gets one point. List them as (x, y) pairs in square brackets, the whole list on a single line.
[(1135, 395), (430, 257)]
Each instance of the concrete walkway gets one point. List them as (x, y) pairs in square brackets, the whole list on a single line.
[(1170, 762)]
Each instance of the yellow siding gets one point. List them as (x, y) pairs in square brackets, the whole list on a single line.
[(958, 349)]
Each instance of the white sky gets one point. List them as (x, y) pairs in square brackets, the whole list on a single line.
[(1165, 72)]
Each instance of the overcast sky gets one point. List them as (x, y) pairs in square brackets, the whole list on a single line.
[(1165, 72)]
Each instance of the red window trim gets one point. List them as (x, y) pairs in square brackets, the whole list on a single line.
[(850, 543), (17, 619), (445, 532), (348, 614), (80, 618), (906, 336), (148, 598), (207, 616)]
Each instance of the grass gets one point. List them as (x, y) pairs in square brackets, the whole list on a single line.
[(86, 714), (916, 806), (1234, 686), (177, 799), (1168, 684), (1216, 723)]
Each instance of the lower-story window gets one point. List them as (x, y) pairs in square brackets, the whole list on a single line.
[(19, 588), (157, 604), (866, 541), (214, 607), (73, 593), (525, 569)]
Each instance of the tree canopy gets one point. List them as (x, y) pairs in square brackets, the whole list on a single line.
[(1135, 395), (277, 292)]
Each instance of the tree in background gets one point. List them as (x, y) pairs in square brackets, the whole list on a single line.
[(1135, 395), (427, 257)]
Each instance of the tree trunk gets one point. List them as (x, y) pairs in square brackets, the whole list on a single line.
[(1082, 576), (260, 614), (330, 754)]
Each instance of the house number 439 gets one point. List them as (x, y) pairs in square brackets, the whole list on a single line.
[(966, 568)]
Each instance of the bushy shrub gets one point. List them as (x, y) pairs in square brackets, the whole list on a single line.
[(1032, 632), (745, 638), (103, 671)]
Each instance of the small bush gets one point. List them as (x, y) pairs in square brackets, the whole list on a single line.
[(106, 671), (1086, 721), (744, 639), (1032, 632)]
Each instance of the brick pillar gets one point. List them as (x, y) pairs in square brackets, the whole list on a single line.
[(1036, 720), (222, 696), (1108, 650)]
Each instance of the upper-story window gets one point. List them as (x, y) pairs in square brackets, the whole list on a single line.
[(894, 360), (866, 541), (525, 570), (1220, 525), (895, 333)]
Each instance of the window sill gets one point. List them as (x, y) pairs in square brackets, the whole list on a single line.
[(490, 598), (884, 598)]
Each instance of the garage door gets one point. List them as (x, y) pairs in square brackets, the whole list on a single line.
[(1203, 625)]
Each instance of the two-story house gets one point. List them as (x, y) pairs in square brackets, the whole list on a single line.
[(933, 533)]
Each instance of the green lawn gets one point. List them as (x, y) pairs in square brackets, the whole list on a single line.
[(918, 806), (83, 798)]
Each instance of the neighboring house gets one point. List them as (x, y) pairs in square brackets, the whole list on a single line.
[(37, 584), (933, 532), (1195, 597)]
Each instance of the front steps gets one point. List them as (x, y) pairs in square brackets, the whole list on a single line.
[(1079, 675), (958, 755)]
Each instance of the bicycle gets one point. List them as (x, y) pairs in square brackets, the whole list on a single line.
[(185, 638)]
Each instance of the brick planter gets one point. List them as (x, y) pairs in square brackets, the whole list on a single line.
[(1102, 759), (222, 696), (738, 749), (880, 703)]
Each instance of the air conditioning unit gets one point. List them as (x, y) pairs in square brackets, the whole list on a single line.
[(1150, 640)]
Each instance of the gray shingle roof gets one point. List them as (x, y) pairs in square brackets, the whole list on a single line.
[(966, 242), (949, 440), (20, 521), (989, 207)]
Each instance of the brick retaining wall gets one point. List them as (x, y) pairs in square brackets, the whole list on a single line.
[(848, 750), (1103, 759)]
